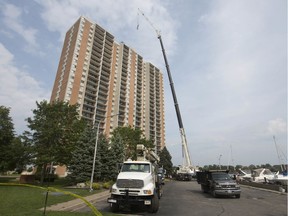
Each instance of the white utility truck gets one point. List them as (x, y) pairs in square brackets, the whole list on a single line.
[(137, 183)]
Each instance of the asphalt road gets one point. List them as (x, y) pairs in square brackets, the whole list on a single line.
[(186, 198)]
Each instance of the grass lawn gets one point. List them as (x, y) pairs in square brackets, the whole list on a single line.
[(19, 200)]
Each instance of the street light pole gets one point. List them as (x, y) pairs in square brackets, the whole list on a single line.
[(94, 159), (95, 151)]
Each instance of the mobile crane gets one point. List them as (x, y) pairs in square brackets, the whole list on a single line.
[(186, 170)]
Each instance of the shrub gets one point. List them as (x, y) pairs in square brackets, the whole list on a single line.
[(107, 185), (96, 186)]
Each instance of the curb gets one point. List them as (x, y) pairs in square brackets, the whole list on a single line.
[(75, 204), (263, 189)]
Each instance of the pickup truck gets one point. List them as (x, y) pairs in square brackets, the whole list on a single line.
[(218, 183)]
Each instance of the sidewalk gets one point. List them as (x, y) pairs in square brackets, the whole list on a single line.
[(76, 204)]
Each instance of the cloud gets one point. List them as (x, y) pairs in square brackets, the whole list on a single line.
[(12, 18), (245, 42), (18, 90), (237, 79), (120, 19), (277, 126)]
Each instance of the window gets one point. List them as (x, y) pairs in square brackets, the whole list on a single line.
[(131, 167)]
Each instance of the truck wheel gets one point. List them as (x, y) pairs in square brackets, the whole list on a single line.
[(204, 189), (153, 208), (114, 207), (159, 193), (237, 196), (214, 194)]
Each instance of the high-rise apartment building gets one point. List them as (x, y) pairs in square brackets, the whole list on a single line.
[(107, 78)]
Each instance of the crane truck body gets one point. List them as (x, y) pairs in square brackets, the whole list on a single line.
[(137, 183)]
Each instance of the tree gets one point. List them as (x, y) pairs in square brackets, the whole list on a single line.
[(123, 143), (55, 129), (117, 154), (165, 161), (82, 158), (237, 167), (81, 163), (6, 138), (252, 167), (20, 154), (104, 160), (130, 138)]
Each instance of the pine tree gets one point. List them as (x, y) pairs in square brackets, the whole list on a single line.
[(117, 154), (6, 138), (82, 157), (102, 163), (165, 161)]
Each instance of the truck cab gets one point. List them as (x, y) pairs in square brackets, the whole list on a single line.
[(137, 184), (218, 183)]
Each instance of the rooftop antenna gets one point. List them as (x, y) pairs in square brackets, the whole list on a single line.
[(187, 161)]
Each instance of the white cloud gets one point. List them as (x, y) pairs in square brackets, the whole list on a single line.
[(238, 78), (120, 19), (229, 68), (242, 48), (277, 126), (13, 20), (18, 90)]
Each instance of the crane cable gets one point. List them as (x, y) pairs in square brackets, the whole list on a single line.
[(137, 20), (155, 29)]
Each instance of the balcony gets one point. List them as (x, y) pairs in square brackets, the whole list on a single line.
[(96, 49), (107, 58), (89, 99), (88, 105), (108, 48), (97, 54), (109, 42), (106, 64), (91, 82), (101, 108), (103, 87), (109, 37), (87, 117), (98, 40), (100, 30)]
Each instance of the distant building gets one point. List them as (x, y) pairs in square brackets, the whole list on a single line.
[(106, 78)]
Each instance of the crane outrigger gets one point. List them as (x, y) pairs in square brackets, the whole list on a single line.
[(186, 170)]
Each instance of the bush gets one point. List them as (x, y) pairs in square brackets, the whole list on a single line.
[(96, 186), (107, 185)]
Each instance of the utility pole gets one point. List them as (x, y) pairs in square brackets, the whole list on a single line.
[(95, 150)]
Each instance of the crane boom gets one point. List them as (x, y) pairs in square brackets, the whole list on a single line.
[(187, 160)]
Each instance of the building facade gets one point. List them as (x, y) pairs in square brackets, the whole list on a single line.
[(113, 84)]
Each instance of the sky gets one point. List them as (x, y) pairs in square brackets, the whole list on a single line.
[(228, 60)]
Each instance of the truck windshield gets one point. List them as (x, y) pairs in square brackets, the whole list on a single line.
[(220, 176), (131, 167)]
